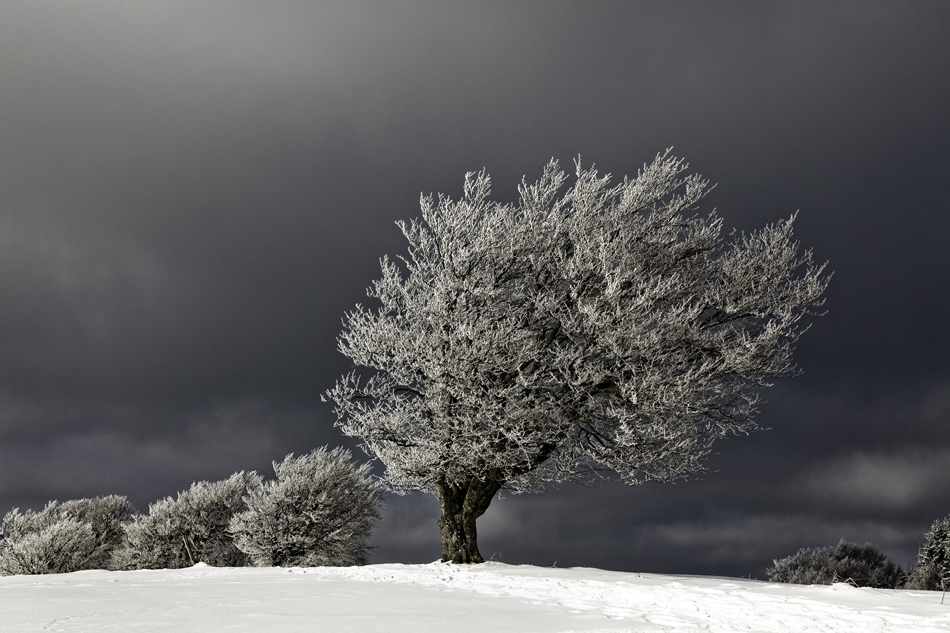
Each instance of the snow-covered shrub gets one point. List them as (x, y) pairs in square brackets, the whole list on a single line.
[(933, 561), (51, 548), (75, 535), (319, 511), (190, 529), (105, 515), (861, 565)]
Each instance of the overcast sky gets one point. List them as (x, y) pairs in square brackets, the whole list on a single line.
[(192, 194)]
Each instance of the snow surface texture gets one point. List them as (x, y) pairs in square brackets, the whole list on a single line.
[(447, 598)]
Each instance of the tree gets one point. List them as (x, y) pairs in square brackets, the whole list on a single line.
[(187, 530), (319, 511), (932, 571), (582, 329)]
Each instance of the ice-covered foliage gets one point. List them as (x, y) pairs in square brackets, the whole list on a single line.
[(59, 547), (860, 565), (187, 530), (105, 515), (320, 510), (75, 535), (584, 328), (933, 561)]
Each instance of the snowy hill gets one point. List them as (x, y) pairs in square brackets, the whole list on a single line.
[(446, 598)]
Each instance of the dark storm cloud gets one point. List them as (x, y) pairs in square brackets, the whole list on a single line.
[(191, 195)]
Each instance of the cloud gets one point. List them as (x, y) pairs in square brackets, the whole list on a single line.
[(882, 482), (408, 532), (92, 277), (142, 454), (750, 541)]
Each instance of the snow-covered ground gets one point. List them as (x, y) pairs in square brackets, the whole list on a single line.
[(445, 598)]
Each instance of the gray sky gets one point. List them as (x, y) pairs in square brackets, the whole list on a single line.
[(192, 194)]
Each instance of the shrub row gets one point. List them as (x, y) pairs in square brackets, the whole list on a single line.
[(319, 510)]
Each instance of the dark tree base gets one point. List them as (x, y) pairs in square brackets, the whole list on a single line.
[(461, 506)]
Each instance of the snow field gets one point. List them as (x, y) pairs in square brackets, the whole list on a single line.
[(448, 598)]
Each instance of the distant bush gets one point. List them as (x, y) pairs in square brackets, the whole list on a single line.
[(319, 511), (72, 536), (190, 529), (933, 560), (861, 565)]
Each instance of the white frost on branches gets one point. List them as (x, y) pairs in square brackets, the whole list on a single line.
[(588, 327)]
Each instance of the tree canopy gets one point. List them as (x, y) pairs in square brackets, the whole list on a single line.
[(585, 328)]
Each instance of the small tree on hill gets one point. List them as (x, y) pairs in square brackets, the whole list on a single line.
[(319, 511), (583, 329)]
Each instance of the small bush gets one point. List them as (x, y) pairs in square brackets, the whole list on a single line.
[(54, 548), (181, 532), (105, 515), (319, 511), (933, 561), (861, 565), (72, 536)]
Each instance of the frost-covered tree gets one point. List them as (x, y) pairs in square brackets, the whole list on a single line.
[(319, 511), (933, 561), (585, 328), (189, 529), (63, 537)]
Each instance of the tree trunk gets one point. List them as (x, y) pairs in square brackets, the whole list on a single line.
[(461, 505)]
